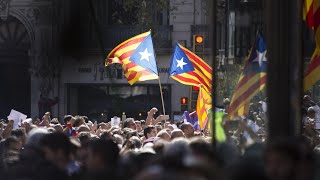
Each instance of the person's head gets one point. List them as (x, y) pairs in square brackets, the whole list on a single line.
[(165, 125), (54, 121), (306, 100), (150, 131), (67, 119), (36, 121), (177, 133), (10, 144), (83, 128), (86, 119), (226, 103), (84, 137), (163, 134), (58, 128), (56, 148), (102, 154), (138, 124), (78, 121), (20, 135), (311, 113), (136, 141), (187, 129), (35, 135), (201, 148), (129, 123), (128, 133), (106, 135), (116, 131), (158, 127), (143, 124), (118, 139), (259, 122), (159, 146), (170, 127)]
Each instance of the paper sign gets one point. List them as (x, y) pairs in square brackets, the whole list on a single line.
[(115, 121), (255, 128), (29, 120), (17, 118)]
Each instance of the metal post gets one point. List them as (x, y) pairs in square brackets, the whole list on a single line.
[(226, 45), (214, 67), (284, 84)]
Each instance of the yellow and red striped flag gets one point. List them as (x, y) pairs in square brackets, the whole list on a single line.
[(312, 73), (308, 12), (204, 106), (251, 81), (137, 58)]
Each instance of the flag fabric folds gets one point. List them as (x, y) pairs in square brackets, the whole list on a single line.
[(308, 12), (251, 81), (312, 73), (192, 118), (189, 69), (204, 106), (137, 58)]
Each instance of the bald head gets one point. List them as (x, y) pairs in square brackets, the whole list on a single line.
[(187, 129), (177, 133)]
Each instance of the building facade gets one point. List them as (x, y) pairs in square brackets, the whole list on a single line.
[(53, 52)]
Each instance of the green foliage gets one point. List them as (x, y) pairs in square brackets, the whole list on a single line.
[(138, 12), (228, 80), (226, 86)]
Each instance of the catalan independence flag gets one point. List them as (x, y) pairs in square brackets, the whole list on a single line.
[(308, 12), (204, 106), (312, 73), (137, 58), (189, 69), (251, 81)]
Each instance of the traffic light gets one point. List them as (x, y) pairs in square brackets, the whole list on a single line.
[(198, 43), (194, 97), (184, 104)]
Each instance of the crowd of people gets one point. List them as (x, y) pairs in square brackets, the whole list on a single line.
[(77, 148)]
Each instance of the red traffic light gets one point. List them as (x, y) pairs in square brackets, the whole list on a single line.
[(195, 88), (184, 100)]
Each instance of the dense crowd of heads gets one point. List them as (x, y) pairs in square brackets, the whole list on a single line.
[(77, 148)]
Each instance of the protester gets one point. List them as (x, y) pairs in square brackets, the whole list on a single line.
[(77, 148)]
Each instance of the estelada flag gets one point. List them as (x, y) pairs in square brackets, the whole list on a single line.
[(189, 69), (137, 58)]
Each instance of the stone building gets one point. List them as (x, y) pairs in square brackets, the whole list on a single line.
[(53, 51)]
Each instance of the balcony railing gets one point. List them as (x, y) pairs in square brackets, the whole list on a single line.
[(114, 35)]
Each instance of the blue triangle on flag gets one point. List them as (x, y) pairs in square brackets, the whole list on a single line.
[(180, 63), (144, 55)]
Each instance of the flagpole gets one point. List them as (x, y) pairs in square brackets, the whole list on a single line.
[(161, 94), (164, 110)]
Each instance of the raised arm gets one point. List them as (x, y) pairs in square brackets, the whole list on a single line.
[(150, 120)]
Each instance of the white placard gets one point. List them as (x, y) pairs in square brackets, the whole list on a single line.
[(115, 121), (17, 118)]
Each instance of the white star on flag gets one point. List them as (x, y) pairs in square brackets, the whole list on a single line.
[(181, 63), (145, 55), (260, 57)]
